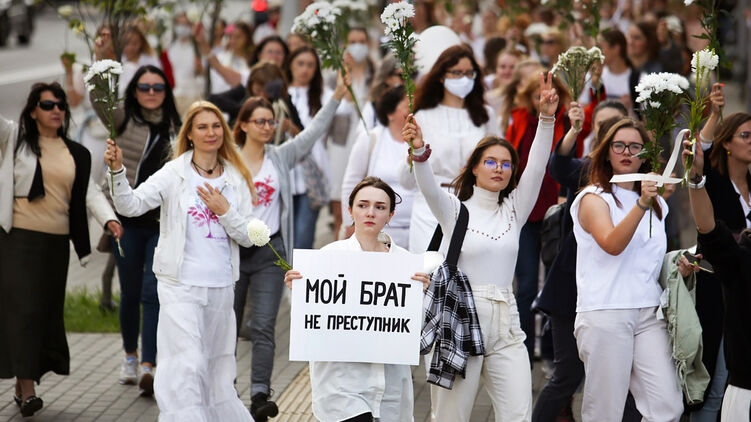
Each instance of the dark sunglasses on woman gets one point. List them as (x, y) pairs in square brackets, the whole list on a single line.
[(48, 105), (149, 87)]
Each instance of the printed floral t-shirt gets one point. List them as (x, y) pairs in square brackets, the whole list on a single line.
[(207, 261), (269, 205)]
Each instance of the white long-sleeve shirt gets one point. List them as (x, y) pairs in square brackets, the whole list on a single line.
[(491, 245)]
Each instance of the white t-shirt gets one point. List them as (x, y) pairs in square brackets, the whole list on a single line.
[(267, 186), (206, 262), (616, 85), (627, 280)]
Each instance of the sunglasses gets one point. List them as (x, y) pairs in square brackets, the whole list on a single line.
[(48, 105), (149, 87)]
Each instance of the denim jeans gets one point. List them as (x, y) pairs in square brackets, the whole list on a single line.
[(713, 400), (138, 288), (263, 282), (528, 279), (305, 222)]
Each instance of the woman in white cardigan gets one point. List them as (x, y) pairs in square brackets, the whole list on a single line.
[(205, 194), (498, 208)]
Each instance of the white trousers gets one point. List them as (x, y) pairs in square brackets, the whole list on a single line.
[(736, 406), (196, 339), (626, 349), (504, 370)]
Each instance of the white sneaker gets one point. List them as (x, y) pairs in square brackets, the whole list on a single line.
[(129, 371)]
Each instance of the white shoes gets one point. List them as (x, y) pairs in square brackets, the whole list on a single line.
[(129, 371)]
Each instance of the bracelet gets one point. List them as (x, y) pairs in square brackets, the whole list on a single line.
[(424, 156), (547, 119), (699, 185), (643, 208), (116, 172), (705, 140)]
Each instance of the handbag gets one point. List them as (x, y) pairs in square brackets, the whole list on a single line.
[(316, 183), (451, 327)]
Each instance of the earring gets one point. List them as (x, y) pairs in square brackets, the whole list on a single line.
[(728, 151), (190, 143)]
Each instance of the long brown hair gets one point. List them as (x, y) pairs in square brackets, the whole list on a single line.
[(600, 168), (227, 152), (464, 183)]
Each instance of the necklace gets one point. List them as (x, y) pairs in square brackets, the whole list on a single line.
[(207, 171)]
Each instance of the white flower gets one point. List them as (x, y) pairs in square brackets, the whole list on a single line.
[(704, 59), (102, 68), (193, 14), (688, 2), (258, 232), (395, 13), (596, 54), (65, 11)]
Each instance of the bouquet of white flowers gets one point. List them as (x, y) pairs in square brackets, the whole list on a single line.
[(573, 65), (660, 96), (102, 77), (702, 64), (401, 41), (324, 25), (260, 236)]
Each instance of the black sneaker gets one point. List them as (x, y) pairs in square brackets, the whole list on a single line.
[(261, 408)]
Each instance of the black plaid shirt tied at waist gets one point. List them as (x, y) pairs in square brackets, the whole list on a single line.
[(451, 324)]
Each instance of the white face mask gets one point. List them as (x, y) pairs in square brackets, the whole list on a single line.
[(182, 31), (460, 87), (358, 52)]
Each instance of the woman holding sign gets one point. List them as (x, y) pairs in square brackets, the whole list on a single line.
[(354, 391), (498, 208), (623, 345)]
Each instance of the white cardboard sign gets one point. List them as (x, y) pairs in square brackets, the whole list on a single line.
[(353, 306)]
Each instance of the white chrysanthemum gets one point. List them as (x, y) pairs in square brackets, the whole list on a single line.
[(704, 59), (103, 68), (193, 14), (258, 232), (395, 13), (65, 11)]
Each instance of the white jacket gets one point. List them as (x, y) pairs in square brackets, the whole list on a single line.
[(169, 188)]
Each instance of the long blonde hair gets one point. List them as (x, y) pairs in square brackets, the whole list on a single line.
[(227, 152)]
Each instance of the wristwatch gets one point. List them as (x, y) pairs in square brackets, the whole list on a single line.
[(697, 182)]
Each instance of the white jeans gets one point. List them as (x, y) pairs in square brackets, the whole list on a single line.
[(504, 370), (626, 349), (196, 339), (736, 406)]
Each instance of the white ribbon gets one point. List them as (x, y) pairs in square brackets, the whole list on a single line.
[(660, 179)]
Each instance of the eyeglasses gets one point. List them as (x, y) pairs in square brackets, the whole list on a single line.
[(148, 87), (263, 122), (48, 105), (549, 42), (619, 147), (456, 74), (745, 135), (492, 164)]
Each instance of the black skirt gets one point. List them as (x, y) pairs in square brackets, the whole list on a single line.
[(33, 274)]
